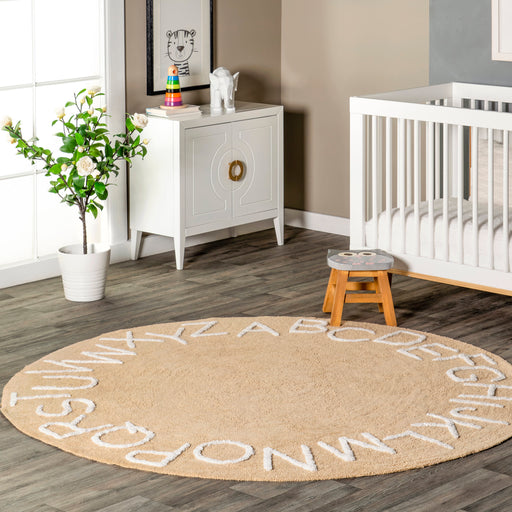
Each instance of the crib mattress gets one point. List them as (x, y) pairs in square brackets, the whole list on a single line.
[(443, 251)]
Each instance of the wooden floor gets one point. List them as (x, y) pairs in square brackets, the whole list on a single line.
[(248, 275)]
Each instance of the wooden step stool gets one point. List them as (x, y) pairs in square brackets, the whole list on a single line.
[(366, 263)]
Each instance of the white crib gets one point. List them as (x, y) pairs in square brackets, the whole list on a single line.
[(430, 182)]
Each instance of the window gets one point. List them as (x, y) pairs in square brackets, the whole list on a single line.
[(50, 49)]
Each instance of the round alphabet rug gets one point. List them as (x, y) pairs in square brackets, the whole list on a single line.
[(267, 398)]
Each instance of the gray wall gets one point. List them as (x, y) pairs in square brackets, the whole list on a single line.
[(460, 44)]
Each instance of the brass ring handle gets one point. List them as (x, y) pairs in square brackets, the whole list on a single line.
[(233, 174)]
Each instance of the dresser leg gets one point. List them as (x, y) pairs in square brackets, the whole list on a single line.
[(135, 244), (279, 227), (179, 251)]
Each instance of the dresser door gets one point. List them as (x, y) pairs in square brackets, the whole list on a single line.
[(255, 146), (208, 187)]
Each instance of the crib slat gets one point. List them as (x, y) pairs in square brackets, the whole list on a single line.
[(460, 193), (389, 176), (446, 194), (375, 186), (437, 180), (506, 201), (417, 183), (430, 185), (358, 145), (490, 196), (409, 154), (401, 179), (474, 192)]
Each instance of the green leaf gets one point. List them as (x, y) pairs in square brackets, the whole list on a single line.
[(101, 190), (79, 138), (89, 100), (92, 208), (69, 104), (69, 146), (129, 124), (55, 169)]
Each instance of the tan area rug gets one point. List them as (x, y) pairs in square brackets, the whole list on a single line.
[(268, 398)]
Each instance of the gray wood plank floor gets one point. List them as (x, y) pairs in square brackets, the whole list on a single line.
[(245, 276)]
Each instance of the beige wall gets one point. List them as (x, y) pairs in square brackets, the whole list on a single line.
[(331, 50), (247, 38)]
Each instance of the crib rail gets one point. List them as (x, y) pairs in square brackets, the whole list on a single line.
[(430, 176)]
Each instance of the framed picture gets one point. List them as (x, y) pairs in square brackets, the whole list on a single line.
[(179, 32), (501, 34)]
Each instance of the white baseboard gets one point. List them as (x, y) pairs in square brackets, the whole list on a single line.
[(47, 267), (317, 222)]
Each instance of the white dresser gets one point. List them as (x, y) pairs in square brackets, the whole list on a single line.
[(208, 173)]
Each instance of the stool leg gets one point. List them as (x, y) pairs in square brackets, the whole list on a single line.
[(339, 297), (329, 293), (387, 299), (378, 290)]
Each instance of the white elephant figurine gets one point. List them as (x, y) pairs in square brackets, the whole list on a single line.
[(222, 90)]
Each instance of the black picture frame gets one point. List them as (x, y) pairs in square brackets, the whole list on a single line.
[(195, 23)]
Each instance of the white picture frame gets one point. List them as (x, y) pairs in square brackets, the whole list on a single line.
[(179, 32)]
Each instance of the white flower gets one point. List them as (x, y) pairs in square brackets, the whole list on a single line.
[(82, 101), (86, 166), (145, 142), (59, 112), (95, 89), (104, 109), (80, 149), (63, 167), (6, 121), (140, 121), (91, 111)]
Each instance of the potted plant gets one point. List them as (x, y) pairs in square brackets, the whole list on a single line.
[(80, 175)]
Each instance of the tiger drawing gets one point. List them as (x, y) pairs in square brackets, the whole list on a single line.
[(180, 46)]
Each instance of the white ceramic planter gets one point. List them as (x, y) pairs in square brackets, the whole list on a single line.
[(84, 275)]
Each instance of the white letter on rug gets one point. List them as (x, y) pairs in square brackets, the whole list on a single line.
[(312, 327), (411, 433), (417, 338), (309, 465), (448, 423), (257, 327), (72, 425), (206, 325), (456, 414), (426, 349), (66, 407), (168, 456), (130, 340), (62, 364), (473, 377), (92, 382), (348, 454), (198, 452), (491, 391), (130, 428), (15, 398), (332, 334)]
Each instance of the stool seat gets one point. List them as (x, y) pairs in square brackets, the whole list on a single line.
[(373, 259), (372, 263)]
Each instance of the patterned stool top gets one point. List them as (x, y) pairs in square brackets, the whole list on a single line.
[(366, 259)]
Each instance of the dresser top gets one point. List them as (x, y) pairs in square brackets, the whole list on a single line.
[(243, 110)]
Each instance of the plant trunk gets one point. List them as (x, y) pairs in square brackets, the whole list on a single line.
[(84, 232)]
